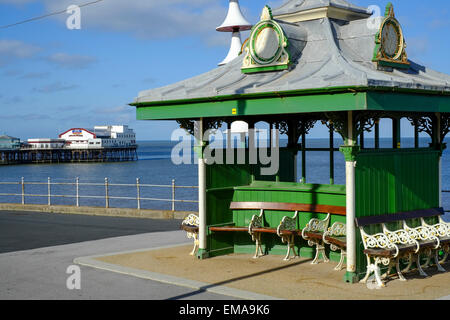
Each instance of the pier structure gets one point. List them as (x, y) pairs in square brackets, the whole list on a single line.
[(310, 62), (64, 155)]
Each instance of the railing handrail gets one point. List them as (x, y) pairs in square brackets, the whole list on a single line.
[(106, 184)]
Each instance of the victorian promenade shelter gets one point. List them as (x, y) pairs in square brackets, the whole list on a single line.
[(306, 62)]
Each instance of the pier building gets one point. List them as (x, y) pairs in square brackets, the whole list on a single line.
[(100, 144), (8, 143)]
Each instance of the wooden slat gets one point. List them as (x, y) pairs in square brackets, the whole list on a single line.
[(229, 229), (285, 206), (395, 217)]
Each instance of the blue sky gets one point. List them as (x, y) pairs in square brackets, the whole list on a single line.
[(53, 78)]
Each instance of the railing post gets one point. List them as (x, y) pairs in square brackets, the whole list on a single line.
[(49, 191), (77, 181), (106, 193), (138, 189), (173, 194), (23, 190)]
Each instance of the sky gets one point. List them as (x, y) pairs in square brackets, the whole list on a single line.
[(53, 78)]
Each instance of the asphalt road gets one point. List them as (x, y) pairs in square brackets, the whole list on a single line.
[(36, 250), (31, 230)]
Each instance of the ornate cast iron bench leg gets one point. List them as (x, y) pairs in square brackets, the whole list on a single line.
[(288, 224), (338, 229), (190, 225), (196, 244), (441, 230), (379, 241), (319, 227), (257, 222), (424, 233), (401, 237)]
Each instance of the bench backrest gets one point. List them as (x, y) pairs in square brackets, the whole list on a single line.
[(285, 206), (400, 216)]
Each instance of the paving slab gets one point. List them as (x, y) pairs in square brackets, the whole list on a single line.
[(269, 277)]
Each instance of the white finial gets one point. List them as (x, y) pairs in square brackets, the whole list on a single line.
[(234, 22)]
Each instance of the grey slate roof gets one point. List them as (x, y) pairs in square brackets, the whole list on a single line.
[(292, 6), (335, 54)]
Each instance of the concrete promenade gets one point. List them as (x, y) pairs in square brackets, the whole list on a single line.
[(37, 248), (128, 258)]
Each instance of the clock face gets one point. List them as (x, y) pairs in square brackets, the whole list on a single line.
[(390, 40), (267, 43)]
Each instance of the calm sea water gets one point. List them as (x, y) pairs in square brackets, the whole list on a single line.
[(155, 167)]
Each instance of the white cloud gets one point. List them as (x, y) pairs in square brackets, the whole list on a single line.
[(65, 60), (11, 50), (151, 19), (55, 87)]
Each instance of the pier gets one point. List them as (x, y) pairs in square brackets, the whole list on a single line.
[(66, 155)]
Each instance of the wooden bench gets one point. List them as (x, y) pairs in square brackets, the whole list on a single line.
[(191, 225), (286, 230), (389, 246)]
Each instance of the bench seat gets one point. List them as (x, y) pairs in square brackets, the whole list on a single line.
[(338, 241), (288, 227), (229, 229), (390, 246)]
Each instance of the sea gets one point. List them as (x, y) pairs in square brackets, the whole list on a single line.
[(156, 173)]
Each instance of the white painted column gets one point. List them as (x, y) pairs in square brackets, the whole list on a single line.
[(201, 188), (350, 202)]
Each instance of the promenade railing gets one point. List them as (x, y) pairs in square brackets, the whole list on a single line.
[(137, 192), (74, 190)]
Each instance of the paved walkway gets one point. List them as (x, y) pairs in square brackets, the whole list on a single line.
[(240, 276), (40, 274)]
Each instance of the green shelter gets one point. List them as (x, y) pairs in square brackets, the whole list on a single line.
[(306, 62)]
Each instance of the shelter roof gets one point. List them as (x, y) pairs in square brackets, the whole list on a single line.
[(325, 53)]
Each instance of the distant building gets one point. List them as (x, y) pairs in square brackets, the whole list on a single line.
[(99, 137), (8, 142), (46, 143)]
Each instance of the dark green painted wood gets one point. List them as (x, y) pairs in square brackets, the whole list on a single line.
[(300, 101), (241, 106), (390, 181)]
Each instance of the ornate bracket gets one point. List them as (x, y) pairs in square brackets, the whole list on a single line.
[(445, 125), (191, 125), (295, 128)]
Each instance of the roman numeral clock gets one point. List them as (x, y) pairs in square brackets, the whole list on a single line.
[(390, 49)]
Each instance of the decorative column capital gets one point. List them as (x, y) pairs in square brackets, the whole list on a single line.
[(350, 152)]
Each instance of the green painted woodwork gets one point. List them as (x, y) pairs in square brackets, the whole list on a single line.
[(247, 105), (263, 191), (407, 102), (390, 181), (265, 69), (221, 182), (299, 101)]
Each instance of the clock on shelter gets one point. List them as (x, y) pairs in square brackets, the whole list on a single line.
[(390, 49)]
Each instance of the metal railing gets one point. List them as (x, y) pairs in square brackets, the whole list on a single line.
[(106, 196)]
